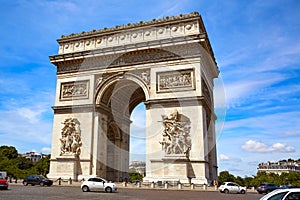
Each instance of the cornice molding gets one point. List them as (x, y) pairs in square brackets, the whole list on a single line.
[(168, 31), (68, 63), (73, 109), (153, 22)]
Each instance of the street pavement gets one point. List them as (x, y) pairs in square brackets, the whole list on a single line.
[(73, 191)]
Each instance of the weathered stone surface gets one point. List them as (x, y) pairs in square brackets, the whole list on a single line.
[(103, 75)]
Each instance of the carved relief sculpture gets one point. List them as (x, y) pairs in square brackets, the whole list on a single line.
[(177, 80), (70, 137), (74, 89), (176, 134), (143, 74)]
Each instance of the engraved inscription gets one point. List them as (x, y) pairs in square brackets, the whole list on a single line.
[(74, 89)]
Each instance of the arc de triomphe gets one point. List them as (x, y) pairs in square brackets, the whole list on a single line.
[(102, 75)]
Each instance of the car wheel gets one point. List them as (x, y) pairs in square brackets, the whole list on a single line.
[(42, 184), (268, 191), (108, 189), (85, 188), (226, 191), (25, 183), (243, 192)]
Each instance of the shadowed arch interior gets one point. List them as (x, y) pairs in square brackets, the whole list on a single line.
[(122, 97)]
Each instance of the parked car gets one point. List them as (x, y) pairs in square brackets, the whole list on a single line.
[(3, 183), (283, 194), (266, 188), (98, 184), (37, 180), (231, 187), (287, 186)]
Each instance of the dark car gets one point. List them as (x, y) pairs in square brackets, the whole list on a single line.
[(37, 180), (3, 183), (287, 187), (266, 188)]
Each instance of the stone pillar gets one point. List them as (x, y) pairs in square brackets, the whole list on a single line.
[(166, 185), (192, 186), (179, 186), (152, 185)]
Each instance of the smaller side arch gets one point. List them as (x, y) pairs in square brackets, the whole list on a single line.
[(114, 127)]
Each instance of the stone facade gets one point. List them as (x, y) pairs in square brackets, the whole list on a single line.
[(282, 166), (102, 75)]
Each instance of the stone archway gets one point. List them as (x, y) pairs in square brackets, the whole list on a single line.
[(116, 98), (103, 75)]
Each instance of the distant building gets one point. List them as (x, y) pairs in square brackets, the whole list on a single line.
[(139, 166), (282, 166), (33, 156)]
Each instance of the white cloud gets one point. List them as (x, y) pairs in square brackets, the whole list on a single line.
[(223, 157), (290, 133), (46, 150), (32, 115), (267, 124), (249, 88), (259, 147)]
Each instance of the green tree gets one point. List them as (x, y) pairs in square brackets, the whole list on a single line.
[(248, 181), (239, 180), (9, 152), (23, 163), (225, 176), (42, 166), (134, 175), (19, 167)]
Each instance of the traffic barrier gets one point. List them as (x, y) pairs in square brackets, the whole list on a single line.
[(179, 186), (152, 185)]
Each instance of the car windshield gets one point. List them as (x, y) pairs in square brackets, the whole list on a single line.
[(41, 176), (274, 196), (278, 196)]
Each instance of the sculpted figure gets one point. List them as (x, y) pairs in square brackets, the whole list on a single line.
[(176, 134), (70, 142)]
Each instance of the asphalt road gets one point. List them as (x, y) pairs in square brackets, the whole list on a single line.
[(20, 192)]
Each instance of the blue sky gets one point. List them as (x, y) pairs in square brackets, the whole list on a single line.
[(256, 45)]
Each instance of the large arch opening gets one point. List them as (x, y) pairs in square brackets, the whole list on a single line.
[(137, 149), (118, 98)]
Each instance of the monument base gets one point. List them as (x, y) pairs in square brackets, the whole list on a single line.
[(177, 169), (64, 167)]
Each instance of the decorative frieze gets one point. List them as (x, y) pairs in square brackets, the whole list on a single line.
[(205, 92), (175, 80), (174, 26), (176, 139), (143, 74), (70, 141), (74, 90), (185, 51), (144, 56)]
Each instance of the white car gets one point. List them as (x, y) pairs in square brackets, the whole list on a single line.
[(283, 194), (231, 187), (98, 184)]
